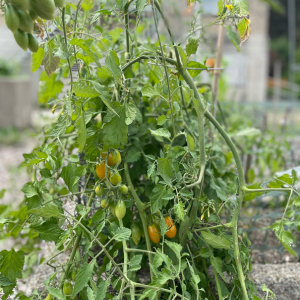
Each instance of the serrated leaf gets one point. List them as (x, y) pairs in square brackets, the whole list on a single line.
[(196, 65), (183, 57), (48, 231), (216, 241), (165, 169), (176, 248), (150, 91), (115, 130), (163, 226), (37, 59), (179, 210), (240, 7), (81, 89), (4, 281), (151, 169), (56, 293), (102, 289), (11, 264), (133, 155), (122, 234), (50, 62), (162, 132), (192, 46), (29, 190), (83, 276), (47, 211), (161, 120), (156, 197), (250, 196), (141, 4), (130, 112), (113, 63), (49, 87)]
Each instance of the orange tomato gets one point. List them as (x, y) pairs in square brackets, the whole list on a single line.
[(154, 234), (171, 233), (101, 170), (210, 62), (110, 161)]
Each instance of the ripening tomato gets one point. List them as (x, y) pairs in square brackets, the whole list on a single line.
[(123, 189), (210, 62), (115, 178), (154, 234), (101, 170), (110, 161), (68, 288), (136, 233), (172, 230), (120, 210), (74, 273), (116, 157)]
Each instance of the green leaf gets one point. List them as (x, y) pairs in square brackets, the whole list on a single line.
[(61, 125), (220, 6), (104, 75), (102, 289), (113, 63), (176, 248), (37, 59), (57, 293), (85, 45), (48, 231), (285, 237), (47, 211), (217, 265), (179, 210), (161, 120), (11, 264), (133, 155), (150, 91), (206, 252), (135, 263), (192, 46), (156, 196), (68, 175), (164, 169), (195, 278), (83, 276), (195, 64), (30, 190), (162, 132), (233, 37), (216, 241), (49, 87), (242, 27), (141, 4), (248, 132), (4, 281), (240, 7), (122, 234), (130, 112), (81, 139), (2, 192), (81, 89), (276, 5), (50, 62), (280, 181), (115, 130), (163, 226)]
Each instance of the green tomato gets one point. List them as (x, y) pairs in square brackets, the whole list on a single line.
[(68, 288), (116, 157), (49, 297), (104, 203), (123, 189), (136, 233), (74, 273), (120, 210), (99, 190)]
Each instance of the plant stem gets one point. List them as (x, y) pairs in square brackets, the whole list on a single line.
[(139, 250), (165, 67), (212, 227), (239, 199), (66, 41), (75, 25), (199, 106), (126, 17), (77, 242), (125, 261), (218, 284), (142, 214)]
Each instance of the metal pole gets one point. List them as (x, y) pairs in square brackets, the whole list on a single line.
[(292, 44)]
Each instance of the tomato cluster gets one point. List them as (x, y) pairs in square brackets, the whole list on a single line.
[(154, 230)]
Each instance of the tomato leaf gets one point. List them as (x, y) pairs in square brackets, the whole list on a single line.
[(83, 276), (165, 169), (156, 197), (192, 46), (48, 231), (216, 241)]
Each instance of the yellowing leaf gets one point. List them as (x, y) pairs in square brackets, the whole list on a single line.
[(245, 29)]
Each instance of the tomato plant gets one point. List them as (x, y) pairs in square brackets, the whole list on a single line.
[(135, 139)]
